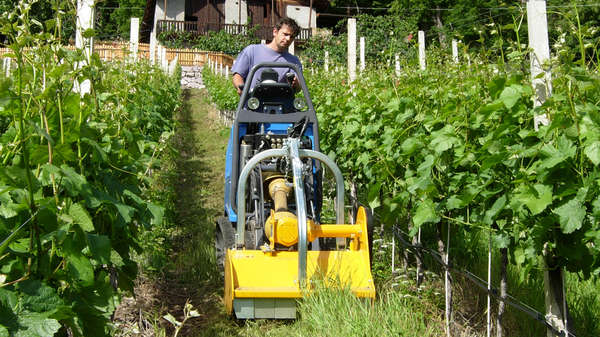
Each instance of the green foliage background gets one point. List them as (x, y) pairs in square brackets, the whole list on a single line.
[(75, 178)]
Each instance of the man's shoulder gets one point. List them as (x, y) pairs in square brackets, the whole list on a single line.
[(252, 48), (292, 58)]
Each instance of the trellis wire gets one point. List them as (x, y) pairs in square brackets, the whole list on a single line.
[(510, 300)]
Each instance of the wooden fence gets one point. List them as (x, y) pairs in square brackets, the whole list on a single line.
[(109, 51)]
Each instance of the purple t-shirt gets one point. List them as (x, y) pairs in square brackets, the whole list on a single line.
[(258, 53)]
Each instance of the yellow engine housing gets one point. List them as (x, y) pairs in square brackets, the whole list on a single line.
[(285, 225)]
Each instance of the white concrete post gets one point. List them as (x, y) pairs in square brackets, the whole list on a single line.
[(263, 41), (292, 49), (326, 61), (422, 63), (226, 71), (7, 66), (85, 21), (163, 59), (173, 65), (455, 51), (351, 50), (362, 53), (152, 51), (134, 37), (397, 59), (538, 44)]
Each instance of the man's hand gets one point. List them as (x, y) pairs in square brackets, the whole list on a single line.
[(296, 83), (238, 81)]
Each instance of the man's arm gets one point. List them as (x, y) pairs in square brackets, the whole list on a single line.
[(237, 81)]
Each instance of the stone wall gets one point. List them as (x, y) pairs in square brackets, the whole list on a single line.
[(191, 77)]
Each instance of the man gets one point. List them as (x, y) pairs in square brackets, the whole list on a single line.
[(284, 33)]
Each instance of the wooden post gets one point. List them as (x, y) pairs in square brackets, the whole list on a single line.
[(448, 284), (292, 48), (422, 63), (351, 50), (455, 51), (417, 242), (326, 61), (362, 53), (538, 43), (503, 291), (393, 253), (397, 64), (443, 250), (134, 37)]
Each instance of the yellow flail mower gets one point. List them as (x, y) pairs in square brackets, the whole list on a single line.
[(270, 243)]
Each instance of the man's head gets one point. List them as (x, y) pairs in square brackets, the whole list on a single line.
[(284, 33)]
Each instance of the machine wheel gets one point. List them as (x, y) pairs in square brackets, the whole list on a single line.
[(224, 239)]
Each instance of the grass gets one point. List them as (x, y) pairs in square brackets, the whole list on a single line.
[(178, 260)]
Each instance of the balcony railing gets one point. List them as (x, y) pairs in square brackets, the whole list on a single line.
[(202, 28)]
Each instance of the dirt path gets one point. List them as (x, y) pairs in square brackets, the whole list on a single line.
[(188, 274)]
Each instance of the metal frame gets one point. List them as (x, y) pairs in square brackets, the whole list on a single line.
[(292, 151)]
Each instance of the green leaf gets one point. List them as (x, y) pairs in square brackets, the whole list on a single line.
[(564, 150), (39, 297), (592, 151), (158, 213), (570, 215), (373, 196), (125, 211), (491, 213), (510, 96), (172, 320), (443, 139), (426, 213), (36, 325), (80, 269), (99, 247), (536, 198), (81, 217), (501, 240)]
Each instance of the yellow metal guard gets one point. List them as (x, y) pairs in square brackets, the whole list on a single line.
[(254, 274)]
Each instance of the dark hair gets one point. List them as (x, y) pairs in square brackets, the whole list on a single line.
[(290, 23)]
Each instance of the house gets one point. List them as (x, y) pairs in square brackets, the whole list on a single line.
[(234, 16)]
